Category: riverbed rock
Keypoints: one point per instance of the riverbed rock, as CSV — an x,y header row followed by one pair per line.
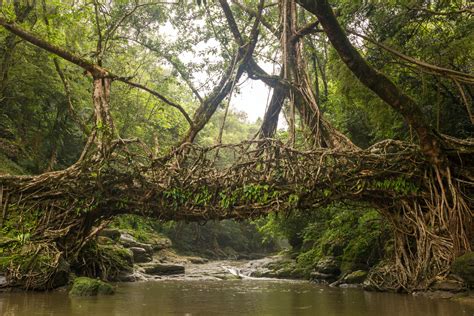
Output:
x,y
83,286
435,294
140,255
264,273
163,269
281,267
129,241
463,266
350,286
125,277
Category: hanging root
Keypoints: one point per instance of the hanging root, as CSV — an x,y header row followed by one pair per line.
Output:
x,y
429,233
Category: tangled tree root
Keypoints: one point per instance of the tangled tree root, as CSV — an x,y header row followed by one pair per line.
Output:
x,y
106,262
430,209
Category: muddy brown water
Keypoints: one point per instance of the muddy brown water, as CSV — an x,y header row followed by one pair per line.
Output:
x,y
231,297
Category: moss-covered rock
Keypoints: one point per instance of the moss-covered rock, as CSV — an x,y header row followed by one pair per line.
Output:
x,y
102,240
463,266
121,257
83,286
159,242
332,247
128,241
140,255
324,278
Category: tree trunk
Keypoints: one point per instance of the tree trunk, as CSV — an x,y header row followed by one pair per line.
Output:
x,y
375,80
104,123
270,119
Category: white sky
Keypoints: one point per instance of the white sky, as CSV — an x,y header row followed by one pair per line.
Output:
x,y
253,95
252,99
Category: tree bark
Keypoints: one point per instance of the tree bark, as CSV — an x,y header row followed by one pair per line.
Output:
x,y
104,123
270,119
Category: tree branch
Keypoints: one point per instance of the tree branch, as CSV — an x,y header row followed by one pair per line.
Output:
x,y
95,70
449,73
158,95
305,30
254,14
176,63
92,68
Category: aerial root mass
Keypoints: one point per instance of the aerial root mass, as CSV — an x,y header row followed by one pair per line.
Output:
x,y
430,209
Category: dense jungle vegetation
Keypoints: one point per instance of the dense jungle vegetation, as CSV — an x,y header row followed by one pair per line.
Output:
x,y
339,74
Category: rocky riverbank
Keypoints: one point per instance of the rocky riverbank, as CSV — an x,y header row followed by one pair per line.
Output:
x,y
145,260
456,285
155,259
152,257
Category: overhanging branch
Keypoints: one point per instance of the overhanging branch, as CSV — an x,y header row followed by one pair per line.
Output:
x,y
95,70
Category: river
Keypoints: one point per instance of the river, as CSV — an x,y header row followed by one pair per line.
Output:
x,y
231,297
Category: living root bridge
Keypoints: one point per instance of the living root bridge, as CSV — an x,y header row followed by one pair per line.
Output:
x,y
431,216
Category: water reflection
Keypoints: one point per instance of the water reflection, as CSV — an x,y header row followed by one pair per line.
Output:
x,y
228,298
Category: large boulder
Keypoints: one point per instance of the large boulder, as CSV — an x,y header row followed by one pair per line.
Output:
x,y
83,286
264,273
326,271
333,248
463,266
125,277
197,260
140,255
122,257
128,241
